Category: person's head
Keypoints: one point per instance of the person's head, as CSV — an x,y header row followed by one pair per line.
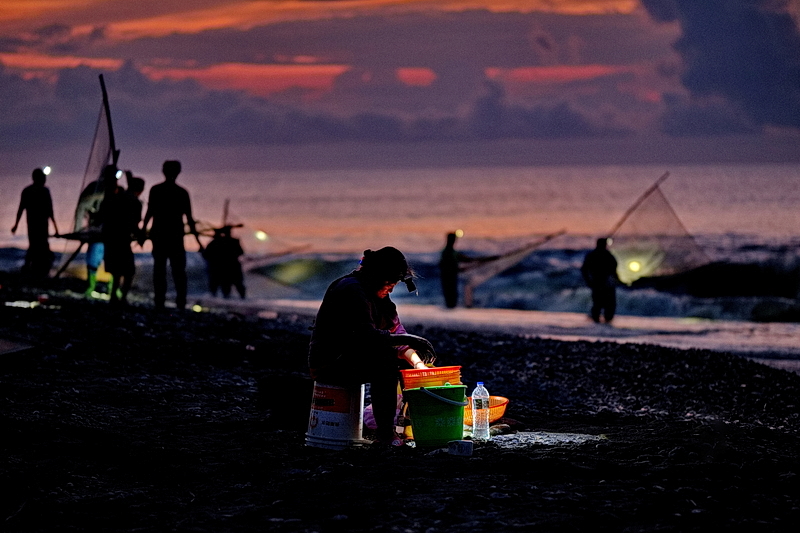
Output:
x,y
171,169
383,269
602,242
135,185
38,176
451,239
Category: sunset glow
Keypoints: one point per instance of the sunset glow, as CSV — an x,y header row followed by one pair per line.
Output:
x,y
34,61
28,9
419,77
179,17
387,71
556,74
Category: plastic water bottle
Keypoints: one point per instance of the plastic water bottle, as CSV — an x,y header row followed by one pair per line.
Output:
x,y
480,413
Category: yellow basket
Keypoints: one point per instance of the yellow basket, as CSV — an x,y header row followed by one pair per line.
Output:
x,y
497,408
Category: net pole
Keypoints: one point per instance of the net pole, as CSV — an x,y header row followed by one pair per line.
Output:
x,y
638,202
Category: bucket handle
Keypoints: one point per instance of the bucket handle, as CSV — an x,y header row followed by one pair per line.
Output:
x,y
445,400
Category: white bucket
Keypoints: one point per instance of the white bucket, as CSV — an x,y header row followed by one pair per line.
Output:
x,y
337,417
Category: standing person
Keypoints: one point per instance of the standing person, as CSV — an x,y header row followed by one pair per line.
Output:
x,y
38,206
352,341
599,270
451,263
167,206
224,269
449,267
119,215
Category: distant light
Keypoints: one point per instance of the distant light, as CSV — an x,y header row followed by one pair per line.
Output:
x,y
23,304
262,236
609,241
47,171
634,266
459,233
119,174
197,308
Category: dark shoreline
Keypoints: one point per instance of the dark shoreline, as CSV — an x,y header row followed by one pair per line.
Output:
x,y
135,420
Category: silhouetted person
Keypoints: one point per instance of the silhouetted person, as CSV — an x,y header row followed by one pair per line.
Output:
x,y
37,204
224,269
450,265
168,206
448,271
119,216
599,270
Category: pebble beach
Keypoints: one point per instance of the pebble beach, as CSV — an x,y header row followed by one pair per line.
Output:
x,y
128,419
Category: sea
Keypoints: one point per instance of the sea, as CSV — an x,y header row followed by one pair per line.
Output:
x,y
302,228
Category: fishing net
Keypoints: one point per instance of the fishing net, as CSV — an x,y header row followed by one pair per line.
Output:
x,y
482,270
91,186
650,240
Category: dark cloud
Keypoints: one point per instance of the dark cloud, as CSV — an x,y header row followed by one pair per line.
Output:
x,y
687,118
36,113
747,51
492,118
147,113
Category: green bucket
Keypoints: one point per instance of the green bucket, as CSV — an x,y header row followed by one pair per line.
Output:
x,y
436,413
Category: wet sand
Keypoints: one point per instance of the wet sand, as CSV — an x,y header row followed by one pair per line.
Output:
x,y
128,419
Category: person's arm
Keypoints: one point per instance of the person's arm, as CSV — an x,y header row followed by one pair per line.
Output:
x,y
51,214
413,359
147,216
406,352
19,212
55,226
190,221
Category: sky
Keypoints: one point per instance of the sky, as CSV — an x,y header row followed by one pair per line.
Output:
x,y
261,81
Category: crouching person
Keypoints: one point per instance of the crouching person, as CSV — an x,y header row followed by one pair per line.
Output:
x,y
356,332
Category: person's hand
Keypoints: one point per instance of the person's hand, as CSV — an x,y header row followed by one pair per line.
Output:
x,y
14,229
421,366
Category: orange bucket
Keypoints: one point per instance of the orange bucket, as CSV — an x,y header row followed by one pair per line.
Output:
x,y
431,377
497,408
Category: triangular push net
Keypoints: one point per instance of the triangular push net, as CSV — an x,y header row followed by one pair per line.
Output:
x,y
476,273
650,240
99,156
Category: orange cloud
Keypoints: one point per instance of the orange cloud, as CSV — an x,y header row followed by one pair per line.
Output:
x,y
39,62
127,20
258,80
29,9
416,77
